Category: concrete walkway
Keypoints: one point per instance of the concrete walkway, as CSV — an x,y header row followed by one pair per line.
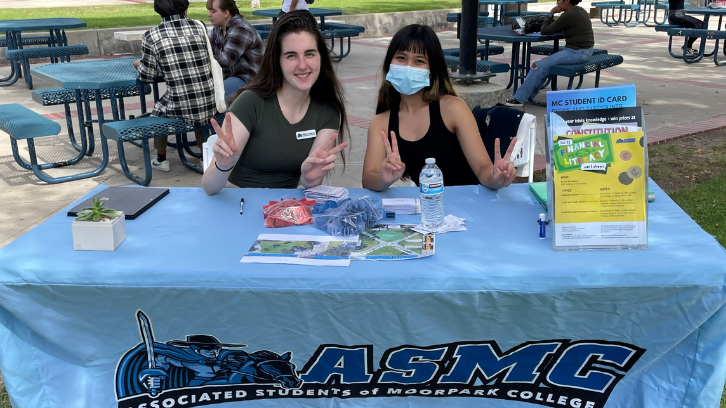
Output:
x,y
678,99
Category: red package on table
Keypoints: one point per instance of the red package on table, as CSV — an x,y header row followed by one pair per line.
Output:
x,y
287,212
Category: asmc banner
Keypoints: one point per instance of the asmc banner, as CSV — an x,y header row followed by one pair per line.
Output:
x,y
201,370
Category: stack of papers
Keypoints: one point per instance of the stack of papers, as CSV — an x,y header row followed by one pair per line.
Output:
x,y
323,193
451,223
402,205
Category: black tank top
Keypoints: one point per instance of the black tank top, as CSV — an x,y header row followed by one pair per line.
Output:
x,y
439,143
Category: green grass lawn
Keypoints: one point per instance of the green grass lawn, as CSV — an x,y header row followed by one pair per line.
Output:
x,y
134,15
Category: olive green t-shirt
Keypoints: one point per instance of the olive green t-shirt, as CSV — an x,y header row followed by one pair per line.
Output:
x,y
575,26
276,149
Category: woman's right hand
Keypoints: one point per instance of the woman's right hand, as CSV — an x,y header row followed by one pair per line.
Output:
x,y
225,147
392,167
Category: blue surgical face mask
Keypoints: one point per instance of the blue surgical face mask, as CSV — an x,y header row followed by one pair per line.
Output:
x,y
408,80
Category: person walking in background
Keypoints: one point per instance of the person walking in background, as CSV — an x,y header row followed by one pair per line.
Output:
x,y
677,15
177,48
236,44
575,26
290,5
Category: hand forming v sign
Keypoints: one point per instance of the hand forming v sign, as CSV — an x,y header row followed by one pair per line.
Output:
x,y
225,146
392,167
322,159
504,170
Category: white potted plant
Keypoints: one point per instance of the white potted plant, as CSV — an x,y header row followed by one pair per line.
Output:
x,y
98,229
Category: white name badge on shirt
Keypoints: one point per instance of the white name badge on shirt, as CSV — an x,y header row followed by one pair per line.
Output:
x,y
305,134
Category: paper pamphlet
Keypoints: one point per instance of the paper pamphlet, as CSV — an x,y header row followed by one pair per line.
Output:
x,y
402,205
539,191
382,242
599,191
615,120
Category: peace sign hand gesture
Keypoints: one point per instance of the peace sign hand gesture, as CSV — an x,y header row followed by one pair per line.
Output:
x,y
504,170
392,168
225,147
321,160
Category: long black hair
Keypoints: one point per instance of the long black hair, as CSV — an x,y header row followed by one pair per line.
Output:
x,y
326,88
419,39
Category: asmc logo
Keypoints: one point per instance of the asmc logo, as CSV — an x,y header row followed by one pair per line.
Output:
x,y
201,371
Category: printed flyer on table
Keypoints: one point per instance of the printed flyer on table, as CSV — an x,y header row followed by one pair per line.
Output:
x,y
599,188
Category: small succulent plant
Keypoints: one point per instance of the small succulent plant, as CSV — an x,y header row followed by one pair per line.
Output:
x,y
97,212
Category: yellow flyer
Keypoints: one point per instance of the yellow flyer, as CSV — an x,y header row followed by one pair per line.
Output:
x,y
599,188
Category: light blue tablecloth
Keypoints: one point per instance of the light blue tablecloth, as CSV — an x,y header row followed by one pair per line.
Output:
x,y
612,328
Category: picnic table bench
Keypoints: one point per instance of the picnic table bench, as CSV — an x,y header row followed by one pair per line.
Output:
x,y
23,56
65,97
331,32
22,123
142,129
704,35
596,63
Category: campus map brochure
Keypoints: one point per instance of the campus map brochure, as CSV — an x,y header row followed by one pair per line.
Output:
x,y
382,242
599,191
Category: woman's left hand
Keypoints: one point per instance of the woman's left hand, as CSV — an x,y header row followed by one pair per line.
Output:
x,y
504,171
321,160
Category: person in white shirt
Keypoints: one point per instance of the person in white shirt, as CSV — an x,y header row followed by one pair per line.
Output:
x,y
288,5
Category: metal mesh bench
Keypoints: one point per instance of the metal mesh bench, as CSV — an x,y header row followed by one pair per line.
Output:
x,y
332,32
22,123
481,51
23,57
481,66
515,13
663,28
625,13
596,63
703,35
142,129
550,49
65,97
37,40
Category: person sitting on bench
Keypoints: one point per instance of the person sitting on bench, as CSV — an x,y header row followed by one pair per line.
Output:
x,y
575,26
178,49
677,16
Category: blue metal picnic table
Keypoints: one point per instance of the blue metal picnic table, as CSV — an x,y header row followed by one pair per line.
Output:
x,y
13,34
94,76
707,12
316,12
499,8
520,54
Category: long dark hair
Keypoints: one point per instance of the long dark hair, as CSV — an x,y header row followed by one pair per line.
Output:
x,y
419,39
225,5
326,88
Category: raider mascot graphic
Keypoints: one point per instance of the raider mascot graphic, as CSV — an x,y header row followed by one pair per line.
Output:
x,y
200,360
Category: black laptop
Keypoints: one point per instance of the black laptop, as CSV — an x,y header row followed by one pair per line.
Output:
x,y
133,201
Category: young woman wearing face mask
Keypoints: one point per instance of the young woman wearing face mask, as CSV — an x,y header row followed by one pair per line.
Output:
x,y
419,116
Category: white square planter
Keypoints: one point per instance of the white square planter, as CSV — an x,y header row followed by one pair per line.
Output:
x,y
99,236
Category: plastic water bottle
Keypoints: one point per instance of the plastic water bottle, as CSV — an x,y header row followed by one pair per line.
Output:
x,y
431,182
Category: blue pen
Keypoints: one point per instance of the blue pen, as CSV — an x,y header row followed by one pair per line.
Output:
x,y
542,226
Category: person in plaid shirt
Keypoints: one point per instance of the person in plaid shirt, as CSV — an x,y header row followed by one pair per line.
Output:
x,y
177,48
235,43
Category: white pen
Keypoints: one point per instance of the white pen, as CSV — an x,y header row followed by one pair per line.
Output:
x,y
241,205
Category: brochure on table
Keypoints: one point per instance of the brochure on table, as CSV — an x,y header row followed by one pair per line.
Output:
x,y
597,171
383,242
